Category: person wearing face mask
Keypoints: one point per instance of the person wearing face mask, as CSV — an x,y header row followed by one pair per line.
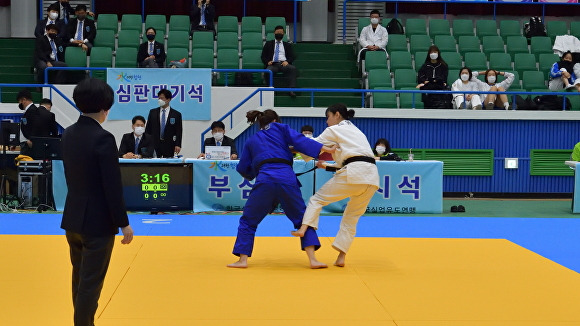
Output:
x,y
308,132
433,76
151,54
218,138
383,152
81,31
278,56
51,18
373,37
491,85
95,208
563,74
136,144
466,82
165,125
49,52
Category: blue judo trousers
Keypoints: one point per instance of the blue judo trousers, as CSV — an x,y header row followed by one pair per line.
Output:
x,y
275,182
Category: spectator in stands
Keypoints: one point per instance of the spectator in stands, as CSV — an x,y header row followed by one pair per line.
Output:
x,y
278,56
562,74
81,31
151,53
51,18
136,144
35,122
166,126
373,37
433,76
219,138
49,52
465,83
383,152
202,16
65,10
491,85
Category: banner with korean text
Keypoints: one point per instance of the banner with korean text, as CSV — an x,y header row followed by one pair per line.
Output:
x,y
136,91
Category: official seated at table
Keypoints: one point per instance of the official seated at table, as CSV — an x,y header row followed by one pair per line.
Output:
x,y
136,144
382,151
219,138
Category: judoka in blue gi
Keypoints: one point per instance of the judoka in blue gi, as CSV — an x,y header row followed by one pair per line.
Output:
x,y
267,158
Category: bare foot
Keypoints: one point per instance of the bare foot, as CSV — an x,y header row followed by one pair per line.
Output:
x,y
340,259
316,264
241,263
300,232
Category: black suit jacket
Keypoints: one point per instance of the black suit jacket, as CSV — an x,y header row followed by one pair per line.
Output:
x,y
158,51
195,16
38,122
68,9
268,52
94,204
226,141
173,131
41,28
43,50
145,148
89,30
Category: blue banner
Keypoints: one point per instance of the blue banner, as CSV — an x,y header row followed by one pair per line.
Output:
x,y
136,91
405,188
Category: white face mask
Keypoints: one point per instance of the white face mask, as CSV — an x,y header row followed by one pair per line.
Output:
x,y
139,131
374,21
491,79
464,77
308,135
53,15
434,55
160,102
380,149
218,136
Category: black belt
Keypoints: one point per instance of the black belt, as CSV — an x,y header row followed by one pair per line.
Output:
x,y
353,159
273,160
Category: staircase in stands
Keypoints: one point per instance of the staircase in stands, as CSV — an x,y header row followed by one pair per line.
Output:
x,y
16,67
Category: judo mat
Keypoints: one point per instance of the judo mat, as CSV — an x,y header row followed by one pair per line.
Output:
x,y
402,270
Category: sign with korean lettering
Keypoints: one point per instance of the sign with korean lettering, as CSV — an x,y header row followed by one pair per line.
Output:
x,y
136,91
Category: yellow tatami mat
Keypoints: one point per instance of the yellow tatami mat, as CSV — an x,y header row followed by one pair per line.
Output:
x,y
387,281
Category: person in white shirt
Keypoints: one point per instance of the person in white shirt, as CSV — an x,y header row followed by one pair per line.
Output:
x,y
356,178
491,85
373,37
465,83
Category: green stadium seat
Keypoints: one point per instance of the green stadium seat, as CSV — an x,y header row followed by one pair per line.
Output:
x,y
405,78
575,28
476,61
575,101
101,57
419,58
227,59
509,28
132,22
468,44
227,24
75,57
517,44
415,26
375,60
272,22
462,27
397,42
159,22
174,54
439,27
453,60
227,40
400,60
485,27
252,59
446,43
178,39
500,61
251,24
179,23
517,83
362,22
524,62
107,22
452,76
202,58
252,41
540,44
105,38
419,43
160,37
493,44
546,61
128,38
555,28
384,100
379,78
126,57
203,40
410,100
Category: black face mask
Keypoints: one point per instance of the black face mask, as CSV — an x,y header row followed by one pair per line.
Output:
x,y
21,106
81,18
52,35
279,37
150,37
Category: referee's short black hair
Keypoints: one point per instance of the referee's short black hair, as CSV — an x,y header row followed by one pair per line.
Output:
x,y
218,124
92,95
138,117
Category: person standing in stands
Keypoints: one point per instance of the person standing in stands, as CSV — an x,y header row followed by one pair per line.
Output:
x,y
49,52
164,123
136,144
65,10
202,15
219,138
94,209
51,18
278,56
81,31
373,37
151,54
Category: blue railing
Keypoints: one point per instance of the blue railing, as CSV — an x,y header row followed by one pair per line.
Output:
x,y
494,3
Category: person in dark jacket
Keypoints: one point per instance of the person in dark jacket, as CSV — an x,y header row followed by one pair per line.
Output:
x,y
51,18
136,144
165,125
433,76
49,52
278,56
151,53
81,31
202,15
219,138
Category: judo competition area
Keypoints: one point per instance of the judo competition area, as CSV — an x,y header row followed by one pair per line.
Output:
x,y
502,262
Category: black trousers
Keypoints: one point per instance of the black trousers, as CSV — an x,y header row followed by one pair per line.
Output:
x,y
90,256
289,72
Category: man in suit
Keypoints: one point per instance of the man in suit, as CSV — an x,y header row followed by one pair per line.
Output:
x,y
136,144
151,53
202,15
165,125
278,56
94,209
35,122
49,52
218,138
81,31
51,18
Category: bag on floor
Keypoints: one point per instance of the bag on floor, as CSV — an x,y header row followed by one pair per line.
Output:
x,y
395,27
535,27
551,102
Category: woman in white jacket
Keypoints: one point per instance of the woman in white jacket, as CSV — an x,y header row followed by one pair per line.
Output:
x,y
491,85
464,83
